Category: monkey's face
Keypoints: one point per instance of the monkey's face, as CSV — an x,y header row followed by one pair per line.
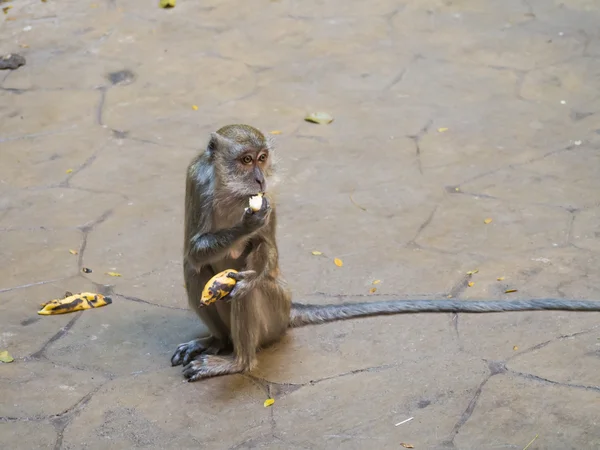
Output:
x,y
247,171
243,159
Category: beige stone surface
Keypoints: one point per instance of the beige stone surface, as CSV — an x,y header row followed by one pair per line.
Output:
x,y
446,113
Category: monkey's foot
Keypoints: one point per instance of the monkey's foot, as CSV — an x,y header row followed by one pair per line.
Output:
x,y
210,366
187,351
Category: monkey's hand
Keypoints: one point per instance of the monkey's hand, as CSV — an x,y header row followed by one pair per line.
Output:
x,y
253,221
244,282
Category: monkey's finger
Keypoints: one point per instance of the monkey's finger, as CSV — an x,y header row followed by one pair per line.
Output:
x,y
266,205
239,276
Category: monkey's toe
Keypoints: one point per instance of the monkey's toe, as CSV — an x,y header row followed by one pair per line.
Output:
x,y
187,351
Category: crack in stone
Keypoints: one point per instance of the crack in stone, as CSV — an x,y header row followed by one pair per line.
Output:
x,y
37,283
424,225
416,138
529,376
36,135
468,412
146,302
63,331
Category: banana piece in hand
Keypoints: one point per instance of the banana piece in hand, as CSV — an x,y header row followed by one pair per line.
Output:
x,y
218,287
72,303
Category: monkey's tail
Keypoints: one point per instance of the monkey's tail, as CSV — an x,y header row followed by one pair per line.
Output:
x,y
308,314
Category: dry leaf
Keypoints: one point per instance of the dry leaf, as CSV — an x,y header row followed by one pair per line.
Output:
x,y
321,118
515,348
403,444
167,3
195,107
356,204
471,272
500,278
338,262
487,221
268,402
316,253
73,252
23,45
471,283
275,132
376,281
113,274
69,170
372,290
441,130
508,291
6,8
5,357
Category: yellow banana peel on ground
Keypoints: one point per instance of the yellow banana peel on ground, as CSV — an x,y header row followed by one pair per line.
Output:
x,y
72,303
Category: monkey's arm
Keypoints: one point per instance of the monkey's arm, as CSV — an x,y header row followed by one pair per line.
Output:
x,y
205,248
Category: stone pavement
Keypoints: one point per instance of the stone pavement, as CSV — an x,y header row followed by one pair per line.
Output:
x,y
446,113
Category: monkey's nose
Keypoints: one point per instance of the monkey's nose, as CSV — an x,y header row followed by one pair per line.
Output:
x,y
260,183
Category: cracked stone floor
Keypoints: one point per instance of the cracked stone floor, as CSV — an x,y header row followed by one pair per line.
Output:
x,y
447,112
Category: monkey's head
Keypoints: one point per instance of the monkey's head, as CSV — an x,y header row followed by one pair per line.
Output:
x,y
243,159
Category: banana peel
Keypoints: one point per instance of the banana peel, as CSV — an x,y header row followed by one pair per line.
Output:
x,y
72,303
218,287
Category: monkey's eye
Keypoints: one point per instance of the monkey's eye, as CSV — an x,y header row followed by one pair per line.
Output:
x,y
247,159
263,157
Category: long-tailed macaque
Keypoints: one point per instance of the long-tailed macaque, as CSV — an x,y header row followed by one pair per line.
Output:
x,y
222,233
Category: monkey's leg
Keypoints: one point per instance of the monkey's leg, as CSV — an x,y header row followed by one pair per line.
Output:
x,y
218,341
207,366
247,325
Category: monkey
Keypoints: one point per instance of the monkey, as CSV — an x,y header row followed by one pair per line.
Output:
x,y
221,233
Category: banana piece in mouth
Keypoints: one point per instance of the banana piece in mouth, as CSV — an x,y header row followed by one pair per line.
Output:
x,y
255,202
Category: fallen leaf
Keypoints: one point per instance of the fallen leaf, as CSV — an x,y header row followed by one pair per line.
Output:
x,y
376,281
508,291
113,274
195,107
515,348
24,45
321,118
531,442
441,130
338,262
69,170
487,221
471,272
471,283
73,252
372,290
268,402
167,3
6,8
316,252
500,278
10,18
406,445
356,204
5,357
275,132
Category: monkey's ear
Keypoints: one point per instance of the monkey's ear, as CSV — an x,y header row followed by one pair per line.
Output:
x,y
216,142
